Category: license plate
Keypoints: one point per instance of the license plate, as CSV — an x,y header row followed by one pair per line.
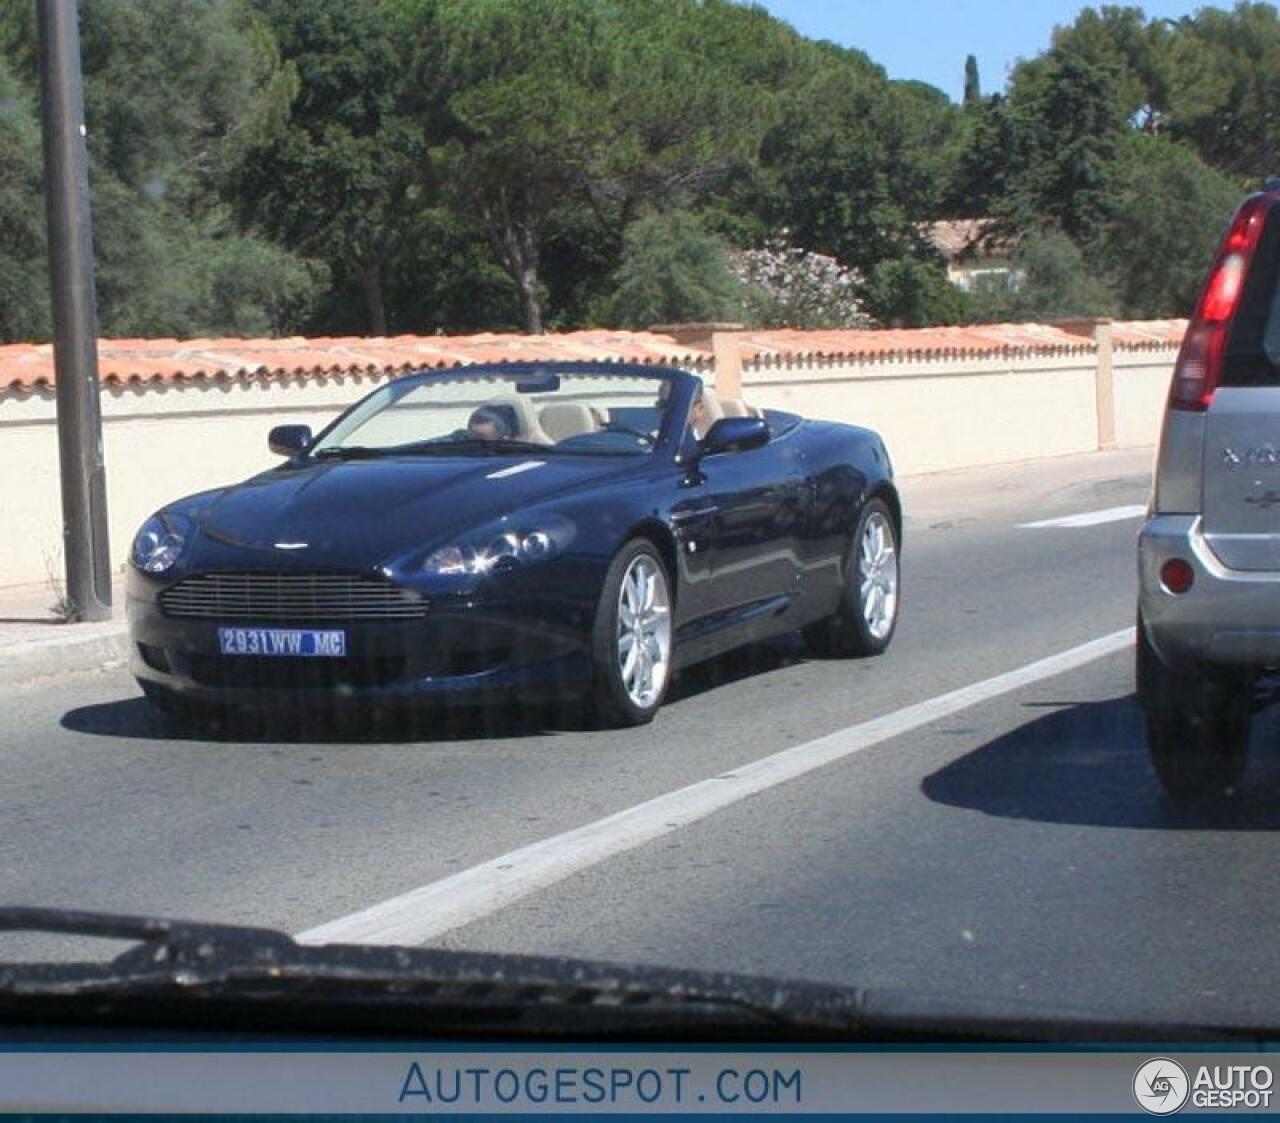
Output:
x,y
299,642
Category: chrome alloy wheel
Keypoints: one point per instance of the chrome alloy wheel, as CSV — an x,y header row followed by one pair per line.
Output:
x,y
878,573
644,631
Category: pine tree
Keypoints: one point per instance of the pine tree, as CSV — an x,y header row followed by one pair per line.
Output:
x,y
972,85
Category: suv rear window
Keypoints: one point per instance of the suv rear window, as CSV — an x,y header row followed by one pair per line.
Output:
x,y
1253,348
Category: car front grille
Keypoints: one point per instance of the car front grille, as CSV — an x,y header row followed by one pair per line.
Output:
x,y
290,597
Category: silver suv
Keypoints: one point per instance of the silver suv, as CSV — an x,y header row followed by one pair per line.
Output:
x,y
1209,553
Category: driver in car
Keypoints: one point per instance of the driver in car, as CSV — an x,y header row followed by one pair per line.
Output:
x,y
492,423
699,422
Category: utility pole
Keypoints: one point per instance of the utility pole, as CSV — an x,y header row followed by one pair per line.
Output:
x,y
75,318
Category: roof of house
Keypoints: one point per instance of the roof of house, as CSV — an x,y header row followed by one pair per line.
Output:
x,y
26,367
958,239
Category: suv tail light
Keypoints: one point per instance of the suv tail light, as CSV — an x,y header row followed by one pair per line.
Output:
x,y
1199,368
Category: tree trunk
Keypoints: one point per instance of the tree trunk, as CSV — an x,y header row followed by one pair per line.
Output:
x,y
530,305
370,278
513,237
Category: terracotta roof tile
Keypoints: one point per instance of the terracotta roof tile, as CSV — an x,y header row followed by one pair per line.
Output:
x,y
1149,333
142,362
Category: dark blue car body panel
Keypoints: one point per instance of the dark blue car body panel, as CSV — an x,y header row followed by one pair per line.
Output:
x,y
756,543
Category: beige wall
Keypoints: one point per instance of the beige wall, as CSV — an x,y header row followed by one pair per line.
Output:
x,y
1141,389
157,445
935,415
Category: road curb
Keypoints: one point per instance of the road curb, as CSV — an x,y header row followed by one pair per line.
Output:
x,y
65,654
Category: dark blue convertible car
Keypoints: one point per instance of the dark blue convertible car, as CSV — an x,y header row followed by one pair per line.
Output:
x,y
530,530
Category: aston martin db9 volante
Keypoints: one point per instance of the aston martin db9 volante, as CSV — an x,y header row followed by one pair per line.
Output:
x,y
522,530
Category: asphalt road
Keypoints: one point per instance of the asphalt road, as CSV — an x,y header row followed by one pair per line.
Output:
x,y
1016,848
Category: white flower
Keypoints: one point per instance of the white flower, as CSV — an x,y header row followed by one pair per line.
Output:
x,y
785,286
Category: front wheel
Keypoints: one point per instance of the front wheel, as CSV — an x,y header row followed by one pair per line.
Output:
x,y
632,641
867,615
1197,725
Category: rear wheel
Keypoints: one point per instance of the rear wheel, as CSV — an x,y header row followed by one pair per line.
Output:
x,y
632,641
1198,724
867,616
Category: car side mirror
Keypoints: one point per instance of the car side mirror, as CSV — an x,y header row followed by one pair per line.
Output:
x,y
735,434
289,440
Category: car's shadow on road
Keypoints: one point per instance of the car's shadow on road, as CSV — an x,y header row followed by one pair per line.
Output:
x,y
748,662
1086,765
134,718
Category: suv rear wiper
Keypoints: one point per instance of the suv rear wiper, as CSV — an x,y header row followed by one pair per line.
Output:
x,y
184,973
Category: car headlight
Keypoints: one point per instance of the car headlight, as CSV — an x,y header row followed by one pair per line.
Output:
x,y
158,545
501,549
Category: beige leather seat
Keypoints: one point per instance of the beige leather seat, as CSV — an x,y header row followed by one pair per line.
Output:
x,y
528,427
713,407
562,420
736,407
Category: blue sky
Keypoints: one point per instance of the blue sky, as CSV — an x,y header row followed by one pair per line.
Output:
x,y
928,39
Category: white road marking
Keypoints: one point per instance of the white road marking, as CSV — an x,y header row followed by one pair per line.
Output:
x,y
451,902
1089,518
515,469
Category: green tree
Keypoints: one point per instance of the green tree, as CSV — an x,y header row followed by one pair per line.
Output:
x,y
911,291
1225,87
170,86
442,278
517,96
854,167
1167,216
1051,280
543,113
673,270
981,170
24,296
693,88
972,83
333,175
1137,52
1068,123
828,164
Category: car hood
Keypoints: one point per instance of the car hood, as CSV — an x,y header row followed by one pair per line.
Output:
x,y
366,512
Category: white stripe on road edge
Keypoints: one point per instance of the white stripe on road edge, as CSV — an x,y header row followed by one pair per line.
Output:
x,y
1089,518
451,902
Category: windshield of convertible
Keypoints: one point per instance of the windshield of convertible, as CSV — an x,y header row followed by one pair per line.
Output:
x,y
608,413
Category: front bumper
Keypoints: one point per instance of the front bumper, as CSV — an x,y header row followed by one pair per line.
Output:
x,y
1229,617
460,651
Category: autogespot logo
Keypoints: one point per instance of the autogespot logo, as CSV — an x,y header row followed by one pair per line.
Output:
x,y
1161,1086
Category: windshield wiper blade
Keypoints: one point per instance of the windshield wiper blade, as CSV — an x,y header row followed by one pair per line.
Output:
x,y
261,978
180,965
470,445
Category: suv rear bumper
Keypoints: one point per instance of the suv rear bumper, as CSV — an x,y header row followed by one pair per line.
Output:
x,y
1228,616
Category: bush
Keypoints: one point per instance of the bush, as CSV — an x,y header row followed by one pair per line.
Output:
x,y
909,292
1051,281
673,270
783,286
